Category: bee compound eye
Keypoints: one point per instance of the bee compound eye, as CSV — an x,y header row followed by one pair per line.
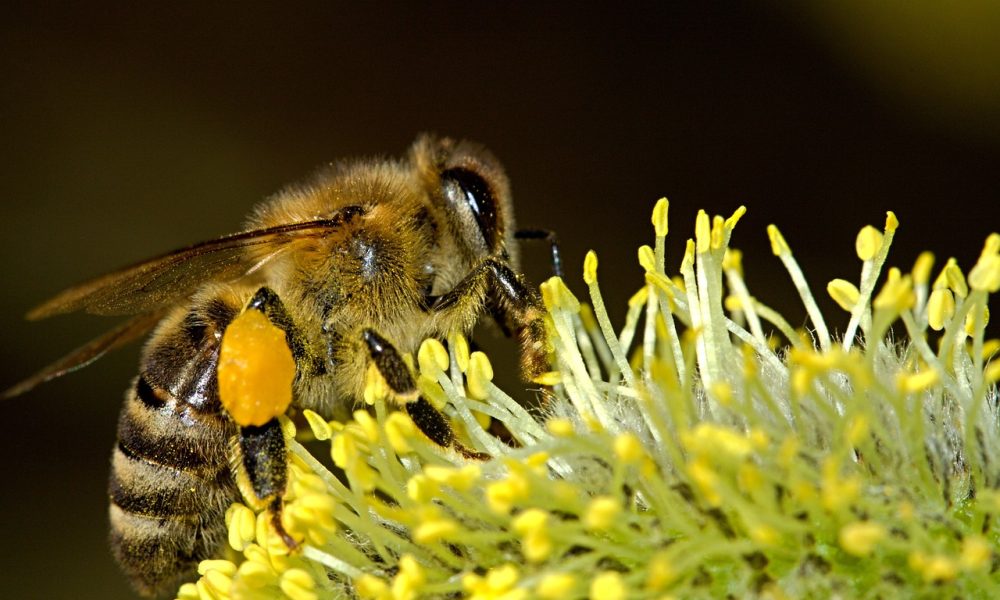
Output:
x,y
463,187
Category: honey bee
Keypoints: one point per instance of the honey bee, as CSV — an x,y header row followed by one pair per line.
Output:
x,y
355,267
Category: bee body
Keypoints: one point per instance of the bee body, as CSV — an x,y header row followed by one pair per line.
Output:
x,y
356,267
171,481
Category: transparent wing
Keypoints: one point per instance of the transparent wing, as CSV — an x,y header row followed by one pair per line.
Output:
x,y
161,281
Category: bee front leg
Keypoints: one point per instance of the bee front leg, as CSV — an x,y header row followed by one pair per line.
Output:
x,y
261,467
515,306
397,375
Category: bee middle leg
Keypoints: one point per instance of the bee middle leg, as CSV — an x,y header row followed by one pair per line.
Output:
x,y
397,375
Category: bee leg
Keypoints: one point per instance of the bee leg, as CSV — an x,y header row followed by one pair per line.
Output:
x,y
262,470
515,306
397,375
267,301
545,235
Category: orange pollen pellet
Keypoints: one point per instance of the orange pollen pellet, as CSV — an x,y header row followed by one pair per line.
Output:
x,y
255,370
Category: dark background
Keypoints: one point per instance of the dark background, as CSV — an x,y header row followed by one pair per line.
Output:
x,y
127,133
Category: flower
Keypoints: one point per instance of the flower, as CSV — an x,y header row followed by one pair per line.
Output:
x,y
689,452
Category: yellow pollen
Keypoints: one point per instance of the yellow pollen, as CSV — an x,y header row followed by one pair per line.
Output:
x,y
765,535
933,568
647,259
460,346
661,572
371,587
955,278
555,586
555,294
718,232
608,586
918,382
502,495
639,298
421,488
844,293
970,319
533,519
320,427
432,357
399,428
376,387
992,371
732,260
548,378
861,537
891,222
628,448
480,373
735,217
601,513
241,525
985,275
435,530
897,293
857,429
702,232
940,308
461,479
722,392
560,427
590,268
778,244
992,244
660,217
297,584
976,553
367,425
922,268
868,242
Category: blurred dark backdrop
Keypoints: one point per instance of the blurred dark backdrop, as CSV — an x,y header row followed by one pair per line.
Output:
x,y
129,132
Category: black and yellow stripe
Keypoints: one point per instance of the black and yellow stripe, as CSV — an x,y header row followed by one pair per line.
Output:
x,y
170,481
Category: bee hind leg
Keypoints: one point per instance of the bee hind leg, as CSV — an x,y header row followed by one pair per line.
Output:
x,y
261,466
397,375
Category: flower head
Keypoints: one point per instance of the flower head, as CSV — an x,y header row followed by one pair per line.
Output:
x,y
704,448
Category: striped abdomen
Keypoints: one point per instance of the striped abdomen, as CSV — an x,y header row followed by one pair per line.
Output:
x,y
170,481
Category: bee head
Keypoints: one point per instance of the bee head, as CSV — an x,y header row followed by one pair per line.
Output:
x,y
470,188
